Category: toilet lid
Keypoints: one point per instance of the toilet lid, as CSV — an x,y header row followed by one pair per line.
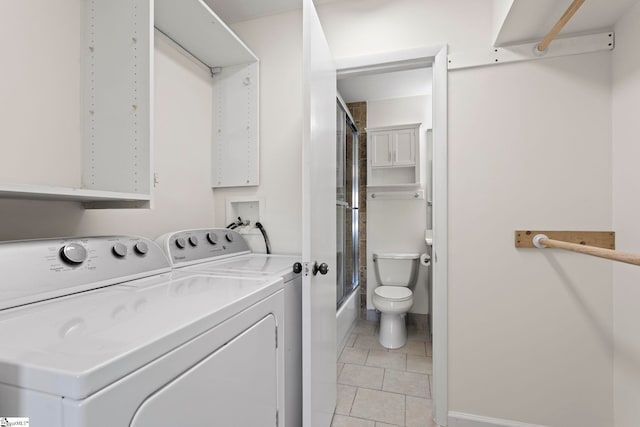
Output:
x,y
396,293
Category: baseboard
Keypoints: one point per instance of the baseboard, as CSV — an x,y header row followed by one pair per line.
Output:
x,y
458,419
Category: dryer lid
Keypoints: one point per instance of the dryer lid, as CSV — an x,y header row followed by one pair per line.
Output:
x,y
251,265
396,293
77,345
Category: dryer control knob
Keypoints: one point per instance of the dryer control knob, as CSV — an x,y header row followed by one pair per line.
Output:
x,y
141,248
212,238
193,241
73,253
229,237
180,243
119,250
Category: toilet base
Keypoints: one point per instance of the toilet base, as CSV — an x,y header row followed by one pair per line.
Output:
x,y
393,331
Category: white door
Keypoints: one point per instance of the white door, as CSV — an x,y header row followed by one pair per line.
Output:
x,y
318,225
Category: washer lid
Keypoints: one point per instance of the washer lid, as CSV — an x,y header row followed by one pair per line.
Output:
x,y
77,345
396,293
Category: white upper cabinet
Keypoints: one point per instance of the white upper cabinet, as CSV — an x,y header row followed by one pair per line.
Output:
x,y
196,28
393,153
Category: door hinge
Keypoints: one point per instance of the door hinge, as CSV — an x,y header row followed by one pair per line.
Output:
x,y
277,417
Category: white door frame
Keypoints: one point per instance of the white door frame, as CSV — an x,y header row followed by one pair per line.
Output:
x,y
436,56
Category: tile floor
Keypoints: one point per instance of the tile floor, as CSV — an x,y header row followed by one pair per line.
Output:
x,y
384,388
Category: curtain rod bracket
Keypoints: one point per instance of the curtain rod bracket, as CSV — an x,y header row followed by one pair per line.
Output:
x,y
536,240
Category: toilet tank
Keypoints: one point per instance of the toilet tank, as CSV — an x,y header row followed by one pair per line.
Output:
x,y
396,269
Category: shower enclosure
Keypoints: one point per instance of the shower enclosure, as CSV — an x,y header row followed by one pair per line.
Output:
x,y
346,205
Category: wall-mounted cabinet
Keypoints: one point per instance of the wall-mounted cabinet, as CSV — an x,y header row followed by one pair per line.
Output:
x,y
393,156
117,101
235,70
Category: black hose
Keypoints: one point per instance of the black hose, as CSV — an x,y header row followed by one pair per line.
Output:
x,y
235,224
264,235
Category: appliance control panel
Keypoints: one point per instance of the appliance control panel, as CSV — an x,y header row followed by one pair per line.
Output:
x,y
35,270
200,245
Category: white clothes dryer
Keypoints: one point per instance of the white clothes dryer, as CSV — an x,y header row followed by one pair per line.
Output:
x,y
225,252
99,332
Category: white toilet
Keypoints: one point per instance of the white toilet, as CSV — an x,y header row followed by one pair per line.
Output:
x,y
396,275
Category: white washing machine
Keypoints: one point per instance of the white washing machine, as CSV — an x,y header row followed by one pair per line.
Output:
x,y
225,252
98,332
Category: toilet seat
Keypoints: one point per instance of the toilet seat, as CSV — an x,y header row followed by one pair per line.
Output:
x,y
394,293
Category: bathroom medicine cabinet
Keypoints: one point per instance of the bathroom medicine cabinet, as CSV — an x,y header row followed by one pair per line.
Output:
x,y
118,57
393,156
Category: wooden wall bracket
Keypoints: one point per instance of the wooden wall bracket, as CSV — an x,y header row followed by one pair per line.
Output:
x,y
599,239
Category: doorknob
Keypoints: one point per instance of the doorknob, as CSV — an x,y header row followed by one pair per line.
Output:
x,y
297,267
322,268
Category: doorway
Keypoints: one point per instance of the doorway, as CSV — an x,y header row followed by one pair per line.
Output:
x,y
433,157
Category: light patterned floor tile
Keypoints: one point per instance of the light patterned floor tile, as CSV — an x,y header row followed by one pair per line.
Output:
x,y
414,334
365,327
342,421
369,342
420,364
356,356
409,383
361,376
339,367
379,406
351,340
412,347
346,393
385,359
419,412
385,425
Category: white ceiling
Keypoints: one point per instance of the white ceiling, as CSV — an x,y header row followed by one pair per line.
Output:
x,y
531,20
397,84
232,11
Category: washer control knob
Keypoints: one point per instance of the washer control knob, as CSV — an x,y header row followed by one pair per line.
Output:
x,y
229,237
141,248
119,250
212,238
180,243
193,241
73,253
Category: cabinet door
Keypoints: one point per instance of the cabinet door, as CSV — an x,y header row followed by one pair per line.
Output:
x,y
381,143
404,147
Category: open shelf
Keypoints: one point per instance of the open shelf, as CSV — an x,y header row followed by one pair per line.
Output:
x,y
94,198
199,31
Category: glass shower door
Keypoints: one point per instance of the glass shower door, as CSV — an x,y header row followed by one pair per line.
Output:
x,y
346,205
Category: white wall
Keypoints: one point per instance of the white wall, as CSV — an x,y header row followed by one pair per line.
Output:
x,y
398,225
530,331
277,41
40,92
42,136
626,211
530,147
